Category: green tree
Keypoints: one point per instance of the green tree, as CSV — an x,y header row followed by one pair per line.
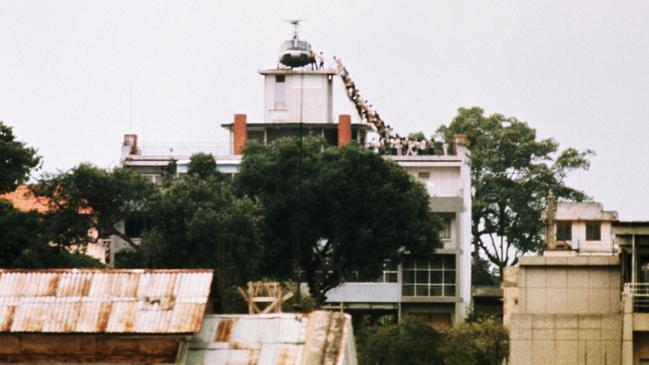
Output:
x,y
483,342
512,173
203,165
87,197
200,223
348,208
16,160
26,242
417,136
411,342
482,273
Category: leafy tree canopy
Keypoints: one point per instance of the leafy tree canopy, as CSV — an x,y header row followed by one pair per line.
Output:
x,y
481,342
512,173
349,209
482,273
410,342
203,165
26,242
200,223
16,160
88,197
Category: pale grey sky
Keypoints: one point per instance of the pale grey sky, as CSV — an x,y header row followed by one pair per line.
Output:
x,y
577,71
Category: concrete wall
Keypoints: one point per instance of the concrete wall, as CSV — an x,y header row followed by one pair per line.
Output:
x,y
510,294
570,290
604,244
308,96
442,181
557,339
568,311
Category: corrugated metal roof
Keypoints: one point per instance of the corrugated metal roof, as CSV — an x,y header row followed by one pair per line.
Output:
x,y
365,293
319,337
103,301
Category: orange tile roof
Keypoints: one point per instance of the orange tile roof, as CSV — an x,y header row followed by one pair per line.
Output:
x,y
24,200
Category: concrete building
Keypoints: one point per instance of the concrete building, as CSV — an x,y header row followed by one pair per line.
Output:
x,y
586,299
632,240
301,101
437,290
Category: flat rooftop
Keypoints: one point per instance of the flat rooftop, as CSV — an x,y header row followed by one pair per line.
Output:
x,y
289,71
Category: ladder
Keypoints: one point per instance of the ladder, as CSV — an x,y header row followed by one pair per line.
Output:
x,y
364,110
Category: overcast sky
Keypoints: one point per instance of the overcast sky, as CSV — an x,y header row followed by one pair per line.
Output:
x,y
577,71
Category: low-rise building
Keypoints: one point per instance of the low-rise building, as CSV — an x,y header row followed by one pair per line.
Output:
x,y
585,300
100,316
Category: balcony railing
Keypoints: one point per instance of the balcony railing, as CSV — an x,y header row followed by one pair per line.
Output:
x,y
185,149
405,147
639,292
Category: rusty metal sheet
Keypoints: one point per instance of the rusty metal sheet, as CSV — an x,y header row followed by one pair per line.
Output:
x,y
103,301
275,339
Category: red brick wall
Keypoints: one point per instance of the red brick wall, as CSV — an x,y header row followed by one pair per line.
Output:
x,y
344,129
240,133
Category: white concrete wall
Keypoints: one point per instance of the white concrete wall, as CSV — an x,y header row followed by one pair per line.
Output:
x,y
308,95
464,239
604,244
568,312
443,181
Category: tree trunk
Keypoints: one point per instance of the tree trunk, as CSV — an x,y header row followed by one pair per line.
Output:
x,y
501,271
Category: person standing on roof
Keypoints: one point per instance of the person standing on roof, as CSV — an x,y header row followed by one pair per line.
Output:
x,y
321,61
339,64
312,60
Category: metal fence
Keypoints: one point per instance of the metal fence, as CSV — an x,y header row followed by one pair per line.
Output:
x,y
188,149
640,294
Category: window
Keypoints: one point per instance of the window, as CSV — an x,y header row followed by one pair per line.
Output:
x,y
134,227
445,232
331,136
154,178
429,278
389,271
256,135
593,231
423,175
280,92
564,231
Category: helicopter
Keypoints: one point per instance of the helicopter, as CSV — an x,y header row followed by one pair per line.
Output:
x,y
295,52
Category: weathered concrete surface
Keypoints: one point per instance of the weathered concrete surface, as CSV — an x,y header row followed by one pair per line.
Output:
x,y
568,311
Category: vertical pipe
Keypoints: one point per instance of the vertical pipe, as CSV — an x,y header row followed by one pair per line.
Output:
x,y
634,263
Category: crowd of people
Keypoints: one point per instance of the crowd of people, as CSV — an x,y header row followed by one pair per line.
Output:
x,y
407,146
389,142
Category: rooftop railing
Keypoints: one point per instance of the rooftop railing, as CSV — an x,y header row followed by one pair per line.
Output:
x,y
393,149
185,148
406,147
639,292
